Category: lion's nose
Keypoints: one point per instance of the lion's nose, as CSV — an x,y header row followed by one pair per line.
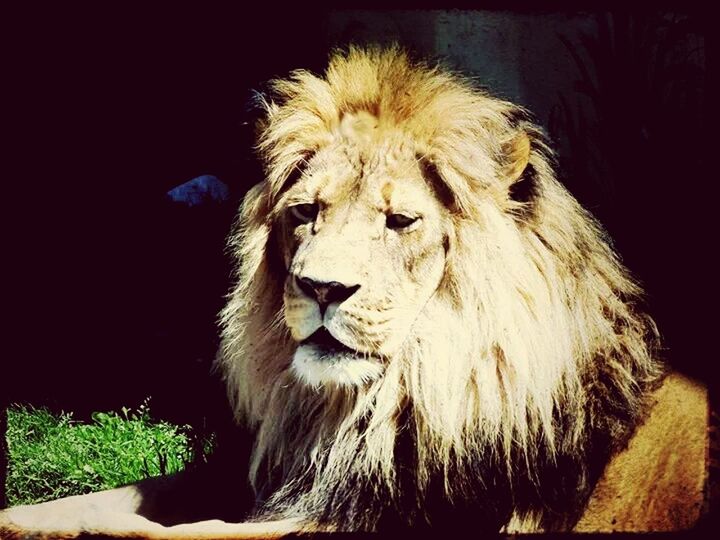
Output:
x,y
326,292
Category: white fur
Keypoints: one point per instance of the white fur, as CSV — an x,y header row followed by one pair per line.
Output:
x,y
314,368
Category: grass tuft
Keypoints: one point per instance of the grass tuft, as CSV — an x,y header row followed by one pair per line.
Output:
x,y
52,455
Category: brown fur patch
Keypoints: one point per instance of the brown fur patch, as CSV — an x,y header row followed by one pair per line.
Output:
x,y
657,483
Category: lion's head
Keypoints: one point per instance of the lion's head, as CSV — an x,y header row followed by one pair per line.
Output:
x,y
422,312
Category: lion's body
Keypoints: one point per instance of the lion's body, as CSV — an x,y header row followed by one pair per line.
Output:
x,y
427,330
659,482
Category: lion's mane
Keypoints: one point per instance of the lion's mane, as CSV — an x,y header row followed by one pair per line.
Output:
x,y
524,373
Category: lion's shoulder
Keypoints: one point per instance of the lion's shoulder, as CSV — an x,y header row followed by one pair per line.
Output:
x,y
658,482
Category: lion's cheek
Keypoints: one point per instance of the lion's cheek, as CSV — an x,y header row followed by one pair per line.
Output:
x,y
412,290
423,274
302,316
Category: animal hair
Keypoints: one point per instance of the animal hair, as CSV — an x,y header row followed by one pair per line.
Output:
x,y
525,371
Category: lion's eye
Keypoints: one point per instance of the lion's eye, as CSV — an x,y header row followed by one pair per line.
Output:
x,y
304,213
400,221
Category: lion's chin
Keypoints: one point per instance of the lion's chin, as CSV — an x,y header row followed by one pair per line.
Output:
x,y
317,363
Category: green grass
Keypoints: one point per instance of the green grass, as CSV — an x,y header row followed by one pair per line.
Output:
x,y
52,455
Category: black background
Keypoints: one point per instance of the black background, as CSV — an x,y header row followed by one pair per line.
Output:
x,y
111,107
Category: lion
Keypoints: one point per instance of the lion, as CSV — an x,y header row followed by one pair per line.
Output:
x,y
427,330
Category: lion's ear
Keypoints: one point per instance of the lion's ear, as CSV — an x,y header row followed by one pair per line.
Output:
x,y
516,157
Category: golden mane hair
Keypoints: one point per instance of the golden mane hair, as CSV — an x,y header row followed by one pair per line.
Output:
x,y
527,369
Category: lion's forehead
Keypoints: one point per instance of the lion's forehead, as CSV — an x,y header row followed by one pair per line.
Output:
x,y
378,176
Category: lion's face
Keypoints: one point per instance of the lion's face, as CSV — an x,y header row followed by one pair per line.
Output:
x,y
363,239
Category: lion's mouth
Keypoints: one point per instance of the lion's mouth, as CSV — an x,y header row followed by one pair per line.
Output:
x,y
323,359
324,341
